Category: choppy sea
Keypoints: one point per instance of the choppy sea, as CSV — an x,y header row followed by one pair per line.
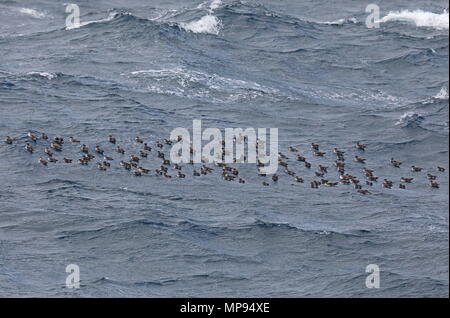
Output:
x,y
312,69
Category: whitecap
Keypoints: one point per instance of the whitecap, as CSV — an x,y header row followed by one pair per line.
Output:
x,y
110,17
409,118
341,21
213,5
420,18
443,94
182,81
47,75
32,12
208,24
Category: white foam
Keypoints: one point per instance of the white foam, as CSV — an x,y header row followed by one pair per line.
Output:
x,y
215,4
408,118
182,80
110,17
47,75
341,21
420,18
443,93
208,24
32,12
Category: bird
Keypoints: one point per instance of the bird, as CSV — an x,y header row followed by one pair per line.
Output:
x,y
56,146
147,147
434,184
299,179
289,172
319,153
112,139
143,154
99,149
32,136
323,168
42,161
29,148
301,158
360,146
8,140
395,163
48,151
134,158
359,159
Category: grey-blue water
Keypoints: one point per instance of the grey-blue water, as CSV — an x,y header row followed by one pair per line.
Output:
x,y
313,69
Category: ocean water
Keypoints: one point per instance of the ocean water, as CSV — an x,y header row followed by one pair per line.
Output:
x,y
312,69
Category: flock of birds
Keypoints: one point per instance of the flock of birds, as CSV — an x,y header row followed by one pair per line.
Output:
x,y
228,172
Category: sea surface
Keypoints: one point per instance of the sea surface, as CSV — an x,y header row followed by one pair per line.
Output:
x,y
312,69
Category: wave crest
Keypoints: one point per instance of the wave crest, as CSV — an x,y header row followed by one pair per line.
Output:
x,y
420,18
443,94
409,119
208,24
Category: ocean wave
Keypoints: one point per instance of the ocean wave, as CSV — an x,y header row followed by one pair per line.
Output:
x,y
181,81
46,75
414,57
32,12
342,21
208,24
443,94
111,16
409,119
420,18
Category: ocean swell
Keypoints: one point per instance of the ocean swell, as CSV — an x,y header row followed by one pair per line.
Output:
x,y
420,18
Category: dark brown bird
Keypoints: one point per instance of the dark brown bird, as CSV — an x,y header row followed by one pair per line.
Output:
x,y
99,149
8,140
29,148
120,150
360,146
